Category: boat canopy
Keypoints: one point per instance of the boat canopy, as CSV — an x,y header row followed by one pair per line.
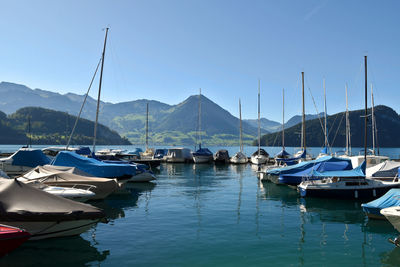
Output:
x,y
282,154
202,152
262,152
324,150
388,168
292,161
93,166
22,202
327,163
28,157
390,199
354,173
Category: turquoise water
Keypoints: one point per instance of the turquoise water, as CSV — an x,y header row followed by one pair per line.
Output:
x,y
206,215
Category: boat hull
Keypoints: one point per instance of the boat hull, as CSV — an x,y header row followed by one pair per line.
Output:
x,y
11,238
43,230
202,158
342,193
393,216
258,160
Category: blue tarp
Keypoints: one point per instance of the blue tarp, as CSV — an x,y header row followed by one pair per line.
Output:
x,y
83,150
309,164
29,157
93,166
203,152
282,154
136,152
291,161
356,172
324,150
317,167
390,199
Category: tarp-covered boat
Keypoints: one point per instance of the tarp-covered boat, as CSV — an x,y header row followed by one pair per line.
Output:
x,y
42,214
23,160
390,199
50,175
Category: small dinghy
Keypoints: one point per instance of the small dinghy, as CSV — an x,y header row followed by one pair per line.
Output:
x,y
11,238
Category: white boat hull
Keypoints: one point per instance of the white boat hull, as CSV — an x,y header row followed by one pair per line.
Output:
x,y
202,159
393,216
43,230
258,159
239,158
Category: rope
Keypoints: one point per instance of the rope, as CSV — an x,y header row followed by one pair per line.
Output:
x,y
337,130
83,104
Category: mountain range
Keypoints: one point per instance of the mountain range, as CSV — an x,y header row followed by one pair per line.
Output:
x,y
387,122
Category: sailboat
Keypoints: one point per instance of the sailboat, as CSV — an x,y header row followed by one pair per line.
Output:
x,y
202,155
350,184
302,155
283,154
149,152
324,152
260,156
239,157
371,159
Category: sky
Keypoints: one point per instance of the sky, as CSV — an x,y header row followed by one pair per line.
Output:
x,y
166,50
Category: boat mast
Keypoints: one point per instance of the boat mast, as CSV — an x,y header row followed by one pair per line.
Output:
x,y
373,121
326,132
259,131
147,126
283,119
98,96
240,126
348,140
303,122
199,133
365,112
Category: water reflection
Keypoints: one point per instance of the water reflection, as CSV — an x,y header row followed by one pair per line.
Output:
x,y
391,258
115,205
287,195
67,251
238,168
342,211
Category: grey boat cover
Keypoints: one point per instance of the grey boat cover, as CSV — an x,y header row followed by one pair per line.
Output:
x,y
388,168
24,203
65,176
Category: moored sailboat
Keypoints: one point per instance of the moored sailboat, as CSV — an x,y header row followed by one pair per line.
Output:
x,y
239,157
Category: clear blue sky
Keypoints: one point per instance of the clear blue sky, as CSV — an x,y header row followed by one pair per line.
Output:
x,y
166,49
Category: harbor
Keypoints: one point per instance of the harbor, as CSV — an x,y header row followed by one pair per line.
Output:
x,y
225,213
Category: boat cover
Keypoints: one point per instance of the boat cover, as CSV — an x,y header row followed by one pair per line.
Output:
x,y
292,161
93,166
327,163
356,172
222,154
262,152
136,152
28,157
388,168
390,199
202,152
22,202
282,154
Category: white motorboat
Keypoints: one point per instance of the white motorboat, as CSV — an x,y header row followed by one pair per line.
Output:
x,y
178,155
44,215
393,216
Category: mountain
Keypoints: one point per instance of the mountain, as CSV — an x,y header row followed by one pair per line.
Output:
x,y
267,125
387,121
52,127
298,118
169,124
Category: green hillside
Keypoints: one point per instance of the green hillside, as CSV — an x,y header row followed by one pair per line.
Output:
x,y
52,127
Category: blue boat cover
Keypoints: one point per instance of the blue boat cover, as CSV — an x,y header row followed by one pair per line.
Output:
x,y
29,157
282,154
203,152
83,150
291,161
329,164
324,150
390,199
356,172
93,166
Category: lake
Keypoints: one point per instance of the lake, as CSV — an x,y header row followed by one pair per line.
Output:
x,y
218,215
